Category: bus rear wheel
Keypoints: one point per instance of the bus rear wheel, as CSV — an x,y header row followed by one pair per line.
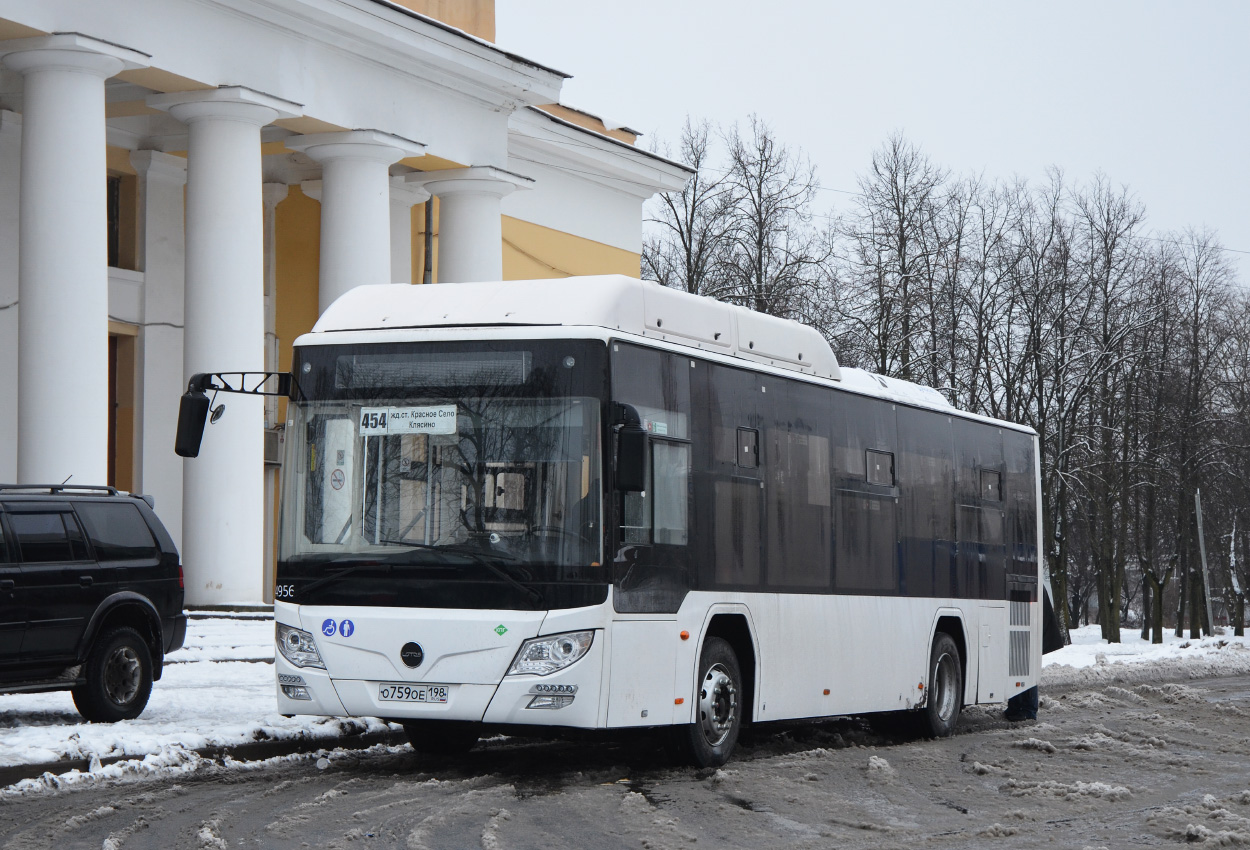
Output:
x,y
710,740
441,737
946,686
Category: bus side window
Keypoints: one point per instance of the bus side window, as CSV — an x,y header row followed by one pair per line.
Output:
x,y
748,448
636,521
670,476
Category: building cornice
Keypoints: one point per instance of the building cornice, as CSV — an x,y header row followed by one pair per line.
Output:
x,y
406,41
538,137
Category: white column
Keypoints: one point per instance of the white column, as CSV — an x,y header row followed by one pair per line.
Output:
x,y
470,227
223,511
272,194
161,254
403,198
62,395
355,205
10,185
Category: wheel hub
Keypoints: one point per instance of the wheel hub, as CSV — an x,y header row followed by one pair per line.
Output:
x,y
122,673
718,704
945,688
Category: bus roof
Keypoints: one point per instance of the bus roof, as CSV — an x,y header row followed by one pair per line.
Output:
x,y
618,303
615,302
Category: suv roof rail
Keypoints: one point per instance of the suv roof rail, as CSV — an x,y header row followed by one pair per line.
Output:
x,y
61,488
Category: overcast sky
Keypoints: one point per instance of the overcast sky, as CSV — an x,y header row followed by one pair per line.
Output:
x,y
1155,94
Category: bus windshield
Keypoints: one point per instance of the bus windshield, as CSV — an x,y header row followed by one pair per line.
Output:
x,y
444,475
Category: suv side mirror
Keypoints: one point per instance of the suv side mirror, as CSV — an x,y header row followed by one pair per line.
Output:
x,y
631,451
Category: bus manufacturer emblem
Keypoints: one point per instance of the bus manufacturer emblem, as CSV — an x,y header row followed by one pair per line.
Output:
x,y
411,654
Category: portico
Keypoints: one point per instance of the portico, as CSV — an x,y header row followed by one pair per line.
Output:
x,y
200,111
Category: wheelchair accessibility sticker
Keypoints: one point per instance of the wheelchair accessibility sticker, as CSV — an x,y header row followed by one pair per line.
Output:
x,y
328,628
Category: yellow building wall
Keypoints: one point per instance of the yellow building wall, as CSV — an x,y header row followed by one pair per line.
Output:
x,y
297,260
418,242
531,251
476,17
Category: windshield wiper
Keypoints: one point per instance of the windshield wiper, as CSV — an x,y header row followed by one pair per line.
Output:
x,y
484,559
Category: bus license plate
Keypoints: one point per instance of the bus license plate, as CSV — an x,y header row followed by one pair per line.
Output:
x,y
395,692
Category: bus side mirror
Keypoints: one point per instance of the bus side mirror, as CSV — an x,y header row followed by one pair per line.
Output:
x,y
631,451
192,416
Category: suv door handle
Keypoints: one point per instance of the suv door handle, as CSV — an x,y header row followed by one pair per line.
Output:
x,y
86,581
7,585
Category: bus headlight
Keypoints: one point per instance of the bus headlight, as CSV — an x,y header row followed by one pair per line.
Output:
x,y
542,656
298,647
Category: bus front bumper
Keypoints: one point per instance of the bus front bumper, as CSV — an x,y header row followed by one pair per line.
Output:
x,y
569,697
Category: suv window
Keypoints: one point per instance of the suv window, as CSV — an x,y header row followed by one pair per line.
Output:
x,y
44,537
117,531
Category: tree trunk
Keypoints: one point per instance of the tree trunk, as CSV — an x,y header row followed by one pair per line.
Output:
x,y
1156,618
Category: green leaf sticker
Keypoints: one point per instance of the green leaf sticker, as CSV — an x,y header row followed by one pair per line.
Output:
x,y
501,629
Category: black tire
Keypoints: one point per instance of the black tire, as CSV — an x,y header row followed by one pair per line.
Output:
x,y
945,694
710,740
118,674
442,737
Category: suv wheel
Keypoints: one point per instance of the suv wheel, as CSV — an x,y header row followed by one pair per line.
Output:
x,y
118,675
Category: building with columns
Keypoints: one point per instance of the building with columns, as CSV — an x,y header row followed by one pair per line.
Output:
x,y
185,185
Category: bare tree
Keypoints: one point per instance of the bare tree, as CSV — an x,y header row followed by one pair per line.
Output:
x,y
776,263
693,225
895,296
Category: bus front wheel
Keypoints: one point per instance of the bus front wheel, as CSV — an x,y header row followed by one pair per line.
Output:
x,y
946,686
710,740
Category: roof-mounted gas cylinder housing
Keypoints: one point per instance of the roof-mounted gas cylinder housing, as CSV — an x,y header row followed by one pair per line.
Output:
x,y
615,302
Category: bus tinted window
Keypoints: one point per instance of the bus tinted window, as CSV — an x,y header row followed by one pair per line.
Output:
x,y
797,488
926,509
866,534
736,544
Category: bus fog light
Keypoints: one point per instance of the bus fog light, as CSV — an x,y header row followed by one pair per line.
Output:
x,y
296,692
542,656
298,647
554,701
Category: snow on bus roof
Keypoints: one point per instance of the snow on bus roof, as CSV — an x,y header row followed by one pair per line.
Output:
x,y
894,389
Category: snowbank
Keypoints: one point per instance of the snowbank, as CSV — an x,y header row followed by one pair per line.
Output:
x,y
1091,660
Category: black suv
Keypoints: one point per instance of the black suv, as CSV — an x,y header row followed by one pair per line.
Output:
x,y
90,596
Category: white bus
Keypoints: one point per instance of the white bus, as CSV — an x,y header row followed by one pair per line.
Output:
x,y
597,503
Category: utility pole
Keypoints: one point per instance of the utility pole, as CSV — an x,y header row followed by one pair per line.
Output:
x,y
1239,624
1202,552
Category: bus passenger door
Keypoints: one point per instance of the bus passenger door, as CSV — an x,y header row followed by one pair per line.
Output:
x,y
992,654
652,560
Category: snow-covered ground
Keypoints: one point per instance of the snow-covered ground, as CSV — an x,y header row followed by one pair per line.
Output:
x,y
218,691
